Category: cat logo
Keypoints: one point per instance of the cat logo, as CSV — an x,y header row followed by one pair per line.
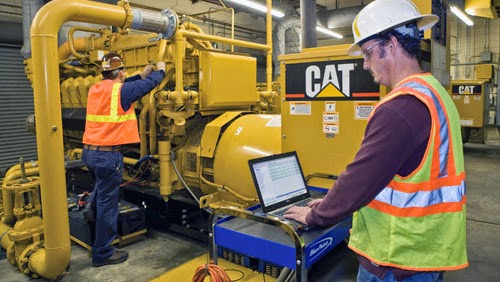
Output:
x,y
328,85
462,89
332,80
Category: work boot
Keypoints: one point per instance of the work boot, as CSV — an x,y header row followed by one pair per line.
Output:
x,y
117,257
88,212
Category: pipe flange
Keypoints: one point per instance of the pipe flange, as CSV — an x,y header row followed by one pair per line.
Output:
x,y
130,15
173,23
23,260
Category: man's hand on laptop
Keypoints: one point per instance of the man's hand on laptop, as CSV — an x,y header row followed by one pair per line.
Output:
x,y
298,213
314,203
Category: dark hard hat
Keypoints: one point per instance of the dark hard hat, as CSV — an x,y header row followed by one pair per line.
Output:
x,y
111,61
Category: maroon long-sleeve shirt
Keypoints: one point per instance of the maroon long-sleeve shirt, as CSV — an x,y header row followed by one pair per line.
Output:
x,y
394,143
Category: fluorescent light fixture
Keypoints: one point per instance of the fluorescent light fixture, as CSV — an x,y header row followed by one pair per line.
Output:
x,y
259,7
461,15
328,32
279,14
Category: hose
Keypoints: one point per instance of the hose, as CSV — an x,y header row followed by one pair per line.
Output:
x,y
225,188
216,273
172,159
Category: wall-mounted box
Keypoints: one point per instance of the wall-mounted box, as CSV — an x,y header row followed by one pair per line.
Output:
x,y
484,71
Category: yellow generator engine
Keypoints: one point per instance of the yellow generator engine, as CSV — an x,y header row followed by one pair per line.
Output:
x,y
205,94
197,129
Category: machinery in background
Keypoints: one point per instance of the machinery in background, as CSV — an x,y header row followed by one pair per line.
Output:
x,y
197,129
327,98
477,104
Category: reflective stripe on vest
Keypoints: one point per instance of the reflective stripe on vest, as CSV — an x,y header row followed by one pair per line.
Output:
x,y
443,148
113,115
447,194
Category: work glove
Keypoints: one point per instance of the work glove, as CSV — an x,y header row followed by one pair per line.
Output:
x,y
160,66
147,71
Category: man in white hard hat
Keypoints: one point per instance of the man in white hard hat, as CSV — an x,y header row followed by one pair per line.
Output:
x,y
406,184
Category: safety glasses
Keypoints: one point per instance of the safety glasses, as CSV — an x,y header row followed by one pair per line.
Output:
x,y
367,52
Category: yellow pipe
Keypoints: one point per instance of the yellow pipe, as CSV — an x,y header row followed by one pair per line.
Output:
x,y
5,242
130,161
161,50
76,69
81,45
71,32
64,50
232,28
164,147
142,130
269,44
178,61
236,42
192,26
152,101
152,110
52,260
152,122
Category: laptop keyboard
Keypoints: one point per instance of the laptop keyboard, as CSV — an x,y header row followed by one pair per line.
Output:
x,y
281,212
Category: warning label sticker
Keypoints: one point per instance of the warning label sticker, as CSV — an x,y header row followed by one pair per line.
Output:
x,y
362,110
300,108
330,106
466,122
330,128
331,118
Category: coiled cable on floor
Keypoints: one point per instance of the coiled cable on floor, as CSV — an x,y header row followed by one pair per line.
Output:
x,y
214,271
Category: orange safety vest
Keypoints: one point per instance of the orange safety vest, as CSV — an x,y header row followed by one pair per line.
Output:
x,y
107,124
418,222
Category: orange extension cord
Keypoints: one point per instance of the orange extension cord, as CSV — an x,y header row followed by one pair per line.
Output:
x,y
214,271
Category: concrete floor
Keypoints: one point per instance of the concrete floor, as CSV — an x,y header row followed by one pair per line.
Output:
x,y
160,251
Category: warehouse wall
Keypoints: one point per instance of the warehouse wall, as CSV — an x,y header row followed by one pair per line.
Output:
x,y
467,44
16,103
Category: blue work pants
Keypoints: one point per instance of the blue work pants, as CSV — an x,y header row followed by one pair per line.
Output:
x,y
108,169
366,276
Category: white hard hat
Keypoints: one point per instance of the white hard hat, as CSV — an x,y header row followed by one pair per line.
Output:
x,y
381,15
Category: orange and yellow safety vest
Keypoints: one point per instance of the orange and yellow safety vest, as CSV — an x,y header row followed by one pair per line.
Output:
x,y
418,222
107,124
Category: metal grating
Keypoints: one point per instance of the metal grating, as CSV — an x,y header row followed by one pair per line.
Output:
x,y
16,103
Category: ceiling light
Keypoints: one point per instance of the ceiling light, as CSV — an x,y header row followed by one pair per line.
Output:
x,y
259,7
328,32
279,14
461,15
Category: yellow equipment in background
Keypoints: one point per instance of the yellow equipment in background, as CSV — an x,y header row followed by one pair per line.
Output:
x,y
471,101
197,129
477,106
327,98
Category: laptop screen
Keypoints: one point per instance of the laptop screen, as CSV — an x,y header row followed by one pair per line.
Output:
x,y
279,180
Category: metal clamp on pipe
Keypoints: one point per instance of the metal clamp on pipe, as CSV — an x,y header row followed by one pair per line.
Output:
x,y
166,22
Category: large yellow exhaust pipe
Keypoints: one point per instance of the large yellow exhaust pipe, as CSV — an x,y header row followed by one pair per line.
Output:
x,y
52,260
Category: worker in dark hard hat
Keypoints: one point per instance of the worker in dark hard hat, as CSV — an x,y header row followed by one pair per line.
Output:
x,y
406,185
111,122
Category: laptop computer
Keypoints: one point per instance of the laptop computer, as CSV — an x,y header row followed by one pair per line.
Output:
x,y
280,184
